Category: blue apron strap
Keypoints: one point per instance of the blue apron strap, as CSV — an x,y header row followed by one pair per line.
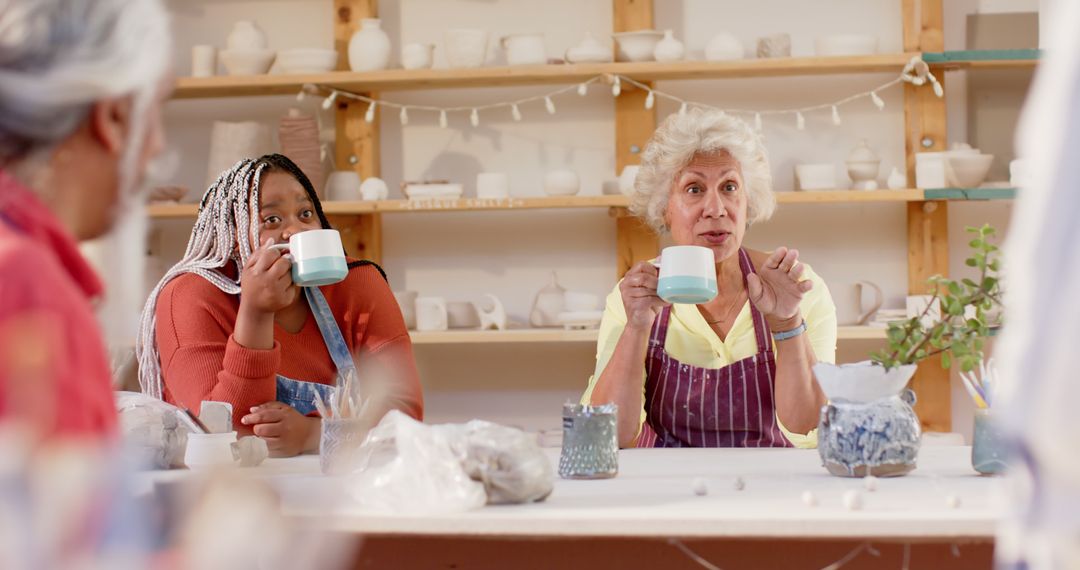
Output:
x,y
331,333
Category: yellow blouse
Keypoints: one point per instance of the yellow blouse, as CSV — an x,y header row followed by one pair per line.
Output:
x,y
692,341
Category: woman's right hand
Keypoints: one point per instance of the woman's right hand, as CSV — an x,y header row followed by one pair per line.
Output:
x,y
638,290
266,284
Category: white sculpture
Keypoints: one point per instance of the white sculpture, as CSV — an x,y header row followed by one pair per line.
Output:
x,y
495,317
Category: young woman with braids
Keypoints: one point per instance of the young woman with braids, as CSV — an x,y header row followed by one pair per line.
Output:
x,y
227,323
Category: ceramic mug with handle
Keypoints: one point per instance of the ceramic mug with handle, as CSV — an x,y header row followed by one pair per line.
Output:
x,y
687,274
317,257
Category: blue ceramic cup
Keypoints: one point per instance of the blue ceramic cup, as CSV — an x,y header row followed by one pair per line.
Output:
x,y
317,257
687,274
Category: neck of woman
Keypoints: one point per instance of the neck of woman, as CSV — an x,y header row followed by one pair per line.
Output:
x,y
729,278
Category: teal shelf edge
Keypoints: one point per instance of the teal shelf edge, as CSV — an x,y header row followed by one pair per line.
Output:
x,y
969,193
981,55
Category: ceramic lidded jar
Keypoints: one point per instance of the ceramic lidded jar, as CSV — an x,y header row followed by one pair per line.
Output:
x,y
862,165
868,427
369,47
246,36
549,302
669,48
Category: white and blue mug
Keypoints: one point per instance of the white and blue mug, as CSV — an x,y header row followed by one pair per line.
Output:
x,y
317,258
687,274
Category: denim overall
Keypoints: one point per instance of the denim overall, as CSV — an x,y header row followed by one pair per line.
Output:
x,y
300,394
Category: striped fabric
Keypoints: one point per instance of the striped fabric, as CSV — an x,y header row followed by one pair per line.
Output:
x,y
690,406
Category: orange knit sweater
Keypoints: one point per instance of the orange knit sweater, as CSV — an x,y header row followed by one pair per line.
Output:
x,y
200,360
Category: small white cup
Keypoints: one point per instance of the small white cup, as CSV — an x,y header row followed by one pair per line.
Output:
x,y
492,185
417,56
687,274
203,61
431,314
209,450
317,257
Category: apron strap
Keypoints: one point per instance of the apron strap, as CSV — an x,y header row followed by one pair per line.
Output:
x,y
761,328
658,336
331,333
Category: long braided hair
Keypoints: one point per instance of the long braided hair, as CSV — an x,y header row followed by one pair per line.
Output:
x,y
230,205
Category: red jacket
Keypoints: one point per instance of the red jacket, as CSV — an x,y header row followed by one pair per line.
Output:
x,y
54,372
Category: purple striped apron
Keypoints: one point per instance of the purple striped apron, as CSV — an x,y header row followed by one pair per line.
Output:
x,y
690,406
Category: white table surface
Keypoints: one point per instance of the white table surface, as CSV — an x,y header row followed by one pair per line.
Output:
x,y
652,496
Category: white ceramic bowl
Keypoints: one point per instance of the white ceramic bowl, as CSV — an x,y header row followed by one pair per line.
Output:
x,y
561,183
815,176
845,44
247,62
967,170
637,46
298,61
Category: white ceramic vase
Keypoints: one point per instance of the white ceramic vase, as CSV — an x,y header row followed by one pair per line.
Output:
x,y
369,47
669,48
245,36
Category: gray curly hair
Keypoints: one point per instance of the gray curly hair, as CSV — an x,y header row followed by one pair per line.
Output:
x,y
700,131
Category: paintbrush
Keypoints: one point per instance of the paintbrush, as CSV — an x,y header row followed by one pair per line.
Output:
x,y
195,419
973,391
321,406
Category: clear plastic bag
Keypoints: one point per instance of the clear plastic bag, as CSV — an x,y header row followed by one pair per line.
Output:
x,y
151,430
406,466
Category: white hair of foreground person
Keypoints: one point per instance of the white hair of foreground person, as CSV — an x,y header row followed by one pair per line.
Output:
x,y
1039,393
700,131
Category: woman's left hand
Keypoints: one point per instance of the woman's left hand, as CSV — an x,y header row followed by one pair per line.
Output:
x,y
286,431
776,290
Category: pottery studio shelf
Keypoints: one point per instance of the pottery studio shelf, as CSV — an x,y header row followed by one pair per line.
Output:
x,y
402,80
583,336
984,59
179,211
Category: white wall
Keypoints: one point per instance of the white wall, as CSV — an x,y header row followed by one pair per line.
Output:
x,y
511,254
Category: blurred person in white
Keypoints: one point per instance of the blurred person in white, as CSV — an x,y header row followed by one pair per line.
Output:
x,y
1039,390
82,84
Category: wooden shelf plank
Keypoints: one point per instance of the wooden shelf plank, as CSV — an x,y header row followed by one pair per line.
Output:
x,y
984,59
820,196
401,79
970,193
587,336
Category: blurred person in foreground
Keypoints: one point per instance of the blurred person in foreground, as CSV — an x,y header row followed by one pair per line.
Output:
x,y
81,90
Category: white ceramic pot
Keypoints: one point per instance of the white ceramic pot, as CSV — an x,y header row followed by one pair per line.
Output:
x,y
369,47
374,189
431,314
930,169
307,60
636,46
525,49
462,315
820,176
246,36
343,185
576,301
492,185
466,48
203,61
209,450
669,48
590,50
406,301
724,46
561,183
967,170
627,178
417,56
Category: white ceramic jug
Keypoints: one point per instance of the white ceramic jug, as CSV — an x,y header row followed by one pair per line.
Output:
x,y
369,47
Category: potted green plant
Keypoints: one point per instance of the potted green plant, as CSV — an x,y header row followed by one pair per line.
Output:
x,y
868,427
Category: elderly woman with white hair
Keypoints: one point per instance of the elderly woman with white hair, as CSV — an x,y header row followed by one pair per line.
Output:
x,y
81,90
734,371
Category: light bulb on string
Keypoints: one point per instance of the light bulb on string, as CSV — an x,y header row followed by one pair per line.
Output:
x,y
583,89
370,115
301,96
474,118
757,122
404,115
938,90
650,100
800,121
877,101
442,118
682,110
549,105
616,86
515,112
835,116
329,101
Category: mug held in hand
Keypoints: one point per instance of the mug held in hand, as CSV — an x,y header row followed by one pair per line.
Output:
x,y
687,274
317,258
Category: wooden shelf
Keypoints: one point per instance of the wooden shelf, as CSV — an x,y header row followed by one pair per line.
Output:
x,y
984,59
970,193
401,79
587,336
835,196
